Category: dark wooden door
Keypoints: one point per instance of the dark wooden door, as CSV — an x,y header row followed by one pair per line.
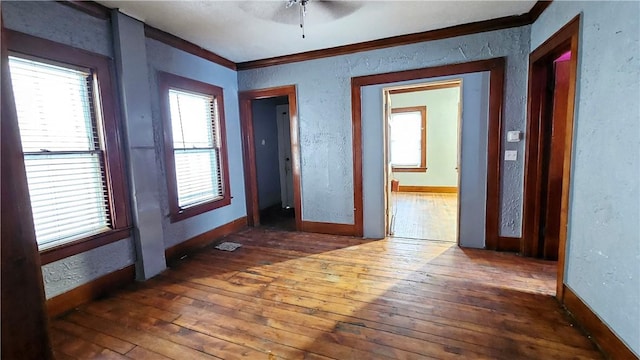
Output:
x,y
554,156
25,327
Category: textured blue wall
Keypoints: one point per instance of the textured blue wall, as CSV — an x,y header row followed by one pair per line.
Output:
x,y
324,104
168,59
603,257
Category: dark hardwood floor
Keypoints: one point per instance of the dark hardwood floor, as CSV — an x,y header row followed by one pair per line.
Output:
x,y
286,295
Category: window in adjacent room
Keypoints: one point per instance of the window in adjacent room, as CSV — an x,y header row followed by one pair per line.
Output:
x,y
195,153
408,139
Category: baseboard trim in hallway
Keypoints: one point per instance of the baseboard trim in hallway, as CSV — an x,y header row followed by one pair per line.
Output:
x,y
600,333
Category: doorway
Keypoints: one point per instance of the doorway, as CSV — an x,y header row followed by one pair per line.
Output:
x,y
422,156
481,143
269,125
552,81
272,141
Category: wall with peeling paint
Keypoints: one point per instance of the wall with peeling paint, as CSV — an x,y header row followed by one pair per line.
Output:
x,y
324,105
65,274
603,245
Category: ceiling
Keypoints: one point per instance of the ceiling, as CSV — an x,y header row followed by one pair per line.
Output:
x,y
251,30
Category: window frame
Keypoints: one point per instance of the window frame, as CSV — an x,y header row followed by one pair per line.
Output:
x,y
423,139
109,130
166,82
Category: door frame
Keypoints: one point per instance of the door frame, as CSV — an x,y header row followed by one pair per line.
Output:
x,y
426,86
540,62
249,150
496,68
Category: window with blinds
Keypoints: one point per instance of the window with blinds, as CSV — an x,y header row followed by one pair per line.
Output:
x,y
196,147
408,138
63,157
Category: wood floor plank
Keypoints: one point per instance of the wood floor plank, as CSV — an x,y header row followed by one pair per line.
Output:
x,y
93,336
76,347
468,327
472,333
141,338
145,321
321,329
286,295
140,353
322,318
425,215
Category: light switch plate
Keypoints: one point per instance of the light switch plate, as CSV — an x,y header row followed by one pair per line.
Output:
x,y
511,155
513,136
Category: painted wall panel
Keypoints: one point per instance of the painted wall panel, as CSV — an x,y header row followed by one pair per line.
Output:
x,y
131,65
265,132
442,136
603,253
68,273
56,22
325,113
168,59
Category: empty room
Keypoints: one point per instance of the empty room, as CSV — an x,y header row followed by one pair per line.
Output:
x,y
308,179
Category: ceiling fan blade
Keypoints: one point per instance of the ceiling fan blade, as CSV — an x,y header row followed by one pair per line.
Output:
x,y
288,11
338,9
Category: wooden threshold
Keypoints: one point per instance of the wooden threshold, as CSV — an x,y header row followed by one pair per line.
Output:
x,y
428,189
286,295
600,333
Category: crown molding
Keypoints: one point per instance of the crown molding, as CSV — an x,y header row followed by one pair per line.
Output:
x,y
537,10
184,45
453,31
89,7
100,11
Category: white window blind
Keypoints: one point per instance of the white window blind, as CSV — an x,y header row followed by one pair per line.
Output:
x,y
196,144
406,139
63,158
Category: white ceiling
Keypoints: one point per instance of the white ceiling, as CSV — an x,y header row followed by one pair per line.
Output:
x,y
251,30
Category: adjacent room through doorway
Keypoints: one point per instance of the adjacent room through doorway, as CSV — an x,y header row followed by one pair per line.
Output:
x,y
272,141
423,161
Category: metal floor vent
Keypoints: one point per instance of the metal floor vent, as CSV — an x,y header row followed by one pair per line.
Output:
x,y
228,246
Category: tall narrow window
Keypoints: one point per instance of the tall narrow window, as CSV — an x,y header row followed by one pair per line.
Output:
x,y
195,153
62,153
408,145
69,138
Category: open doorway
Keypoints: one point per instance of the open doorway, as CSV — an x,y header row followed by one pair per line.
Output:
x,y
269,124
272,141
481,131
423,162
552,81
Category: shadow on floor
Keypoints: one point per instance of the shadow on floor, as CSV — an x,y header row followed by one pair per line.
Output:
x,y
278,218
